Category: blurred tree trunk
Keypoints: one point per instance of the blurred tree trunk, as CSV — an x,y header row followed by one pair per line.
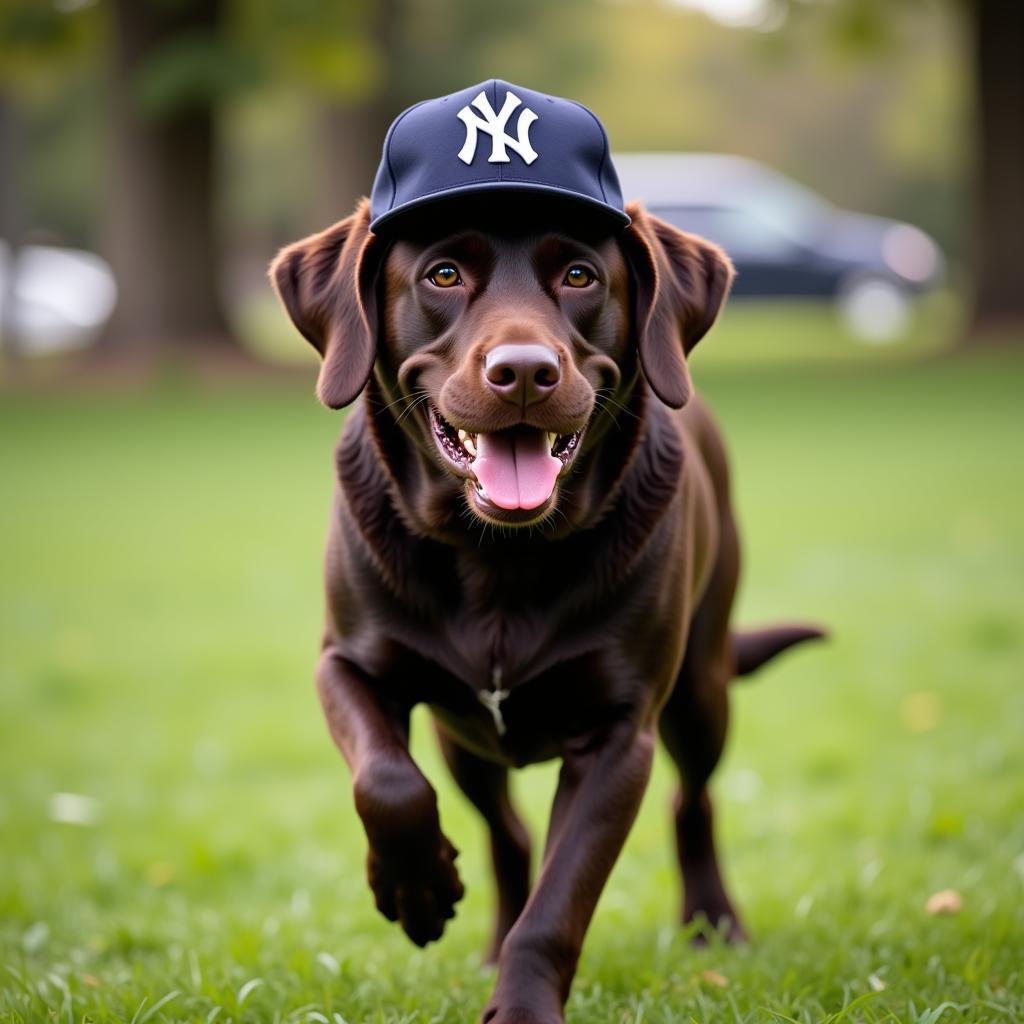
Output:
x,y
999,176
12,220
352,136
353,132
161,220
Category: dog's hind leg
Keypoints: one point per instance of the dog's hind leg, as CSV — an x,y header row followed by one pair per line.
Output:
x,y
693,726
486,786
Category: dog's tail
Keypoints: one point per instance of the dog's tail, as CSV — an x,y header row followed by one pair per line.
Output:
x,y
754,647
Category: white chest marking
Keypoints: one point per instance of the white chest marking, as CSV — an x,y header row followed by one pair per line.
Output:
x,y
491,699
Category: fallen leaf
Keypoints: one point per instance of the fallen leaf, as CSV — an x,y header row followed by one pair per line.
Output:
x,y
91,980
160,874
921,712
876,983
945,901
714,978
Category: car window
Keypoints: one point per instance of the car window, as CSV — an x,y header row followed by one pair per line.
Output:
x,y
792,210
741,233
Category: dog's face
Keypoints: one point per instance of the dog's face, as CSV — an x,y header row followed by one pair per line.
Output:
x,y
499,342
505,339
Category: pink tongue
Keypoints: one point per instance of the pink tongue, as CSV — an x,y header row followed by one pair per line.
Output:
x,y
516,467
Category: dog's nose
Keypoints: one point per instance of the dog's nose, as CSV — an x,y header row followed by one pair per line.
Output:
x,y
522,373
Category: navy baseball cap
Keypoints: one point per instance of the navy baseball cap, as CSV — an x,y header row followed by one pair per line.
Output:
x,y
495,137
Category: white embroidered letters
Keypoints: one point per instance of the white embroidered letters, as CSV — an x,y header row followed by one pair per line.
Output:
x,y
494,125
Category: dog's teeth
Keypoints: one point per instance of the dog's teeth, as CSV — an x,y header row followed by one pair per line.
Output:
x,y
552,439
468,442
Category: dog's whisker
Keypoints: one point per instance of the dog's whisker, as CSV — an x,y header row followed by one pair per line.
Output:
x,y
556,511
409,408
400,399
604,409
605,395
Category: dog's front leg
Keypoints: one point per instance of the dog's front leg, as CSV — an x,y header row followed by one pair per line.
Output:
x,y
599,792
410,864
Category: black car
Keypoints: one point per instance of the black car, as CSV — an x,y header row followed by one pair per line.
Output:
x,y
787,241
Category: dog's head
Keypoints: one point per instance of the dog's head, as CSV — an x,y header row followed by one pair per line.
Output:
x,y
500,342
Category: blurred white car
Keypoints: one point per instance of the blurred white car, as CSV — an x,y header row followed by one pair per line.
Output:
x,y
53,299
787,241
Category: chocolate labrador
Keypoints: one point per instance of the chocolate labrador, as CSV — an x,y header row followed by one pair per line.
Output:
x,y
532,535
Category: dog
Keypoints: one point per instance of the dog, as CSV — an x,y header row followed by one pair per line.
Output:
x,y
532,534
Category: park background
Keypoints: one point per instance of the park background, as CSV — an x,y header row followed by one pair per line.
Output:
x,y
176,834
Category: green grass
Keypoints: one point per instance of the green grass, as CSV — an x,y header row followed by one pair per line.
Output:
x,y
159,617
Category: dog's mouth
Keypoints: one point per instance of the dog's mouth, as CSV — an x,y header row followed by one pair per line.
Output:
x,y
512,469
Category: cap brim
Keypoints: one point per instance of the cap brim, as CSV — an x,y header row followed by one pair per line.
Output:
x,y
389,222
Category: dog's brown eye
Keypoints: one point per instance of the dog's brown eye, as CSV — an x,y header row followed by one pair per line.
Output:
x,y
444,275
578,277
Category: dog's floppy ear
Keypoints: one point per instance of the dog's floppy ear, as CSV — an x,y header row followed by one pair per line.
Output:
x,y
681,283
327,283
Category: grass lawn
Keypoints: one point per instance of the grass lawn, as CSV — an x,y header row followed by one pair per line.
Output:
x,y
159,618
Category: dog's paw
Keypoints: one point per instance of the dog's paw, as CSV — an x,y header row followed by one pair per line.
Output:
x,y
418,887
496,1014
715,920
519,999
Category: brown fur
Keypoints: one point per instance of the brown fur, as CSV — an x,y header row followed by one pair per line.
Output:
x,y
605,616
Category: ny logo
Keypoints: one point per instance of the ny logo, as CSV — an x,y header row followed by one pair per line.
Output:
x,y
494,125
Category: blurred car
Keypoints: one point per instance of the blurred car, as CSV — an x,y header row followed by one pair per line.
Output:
x,y
53,299
787,241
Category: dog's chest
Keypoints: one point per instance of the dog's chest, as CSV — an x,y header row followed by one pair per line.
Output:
x,y
496,650
512,680
520,696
